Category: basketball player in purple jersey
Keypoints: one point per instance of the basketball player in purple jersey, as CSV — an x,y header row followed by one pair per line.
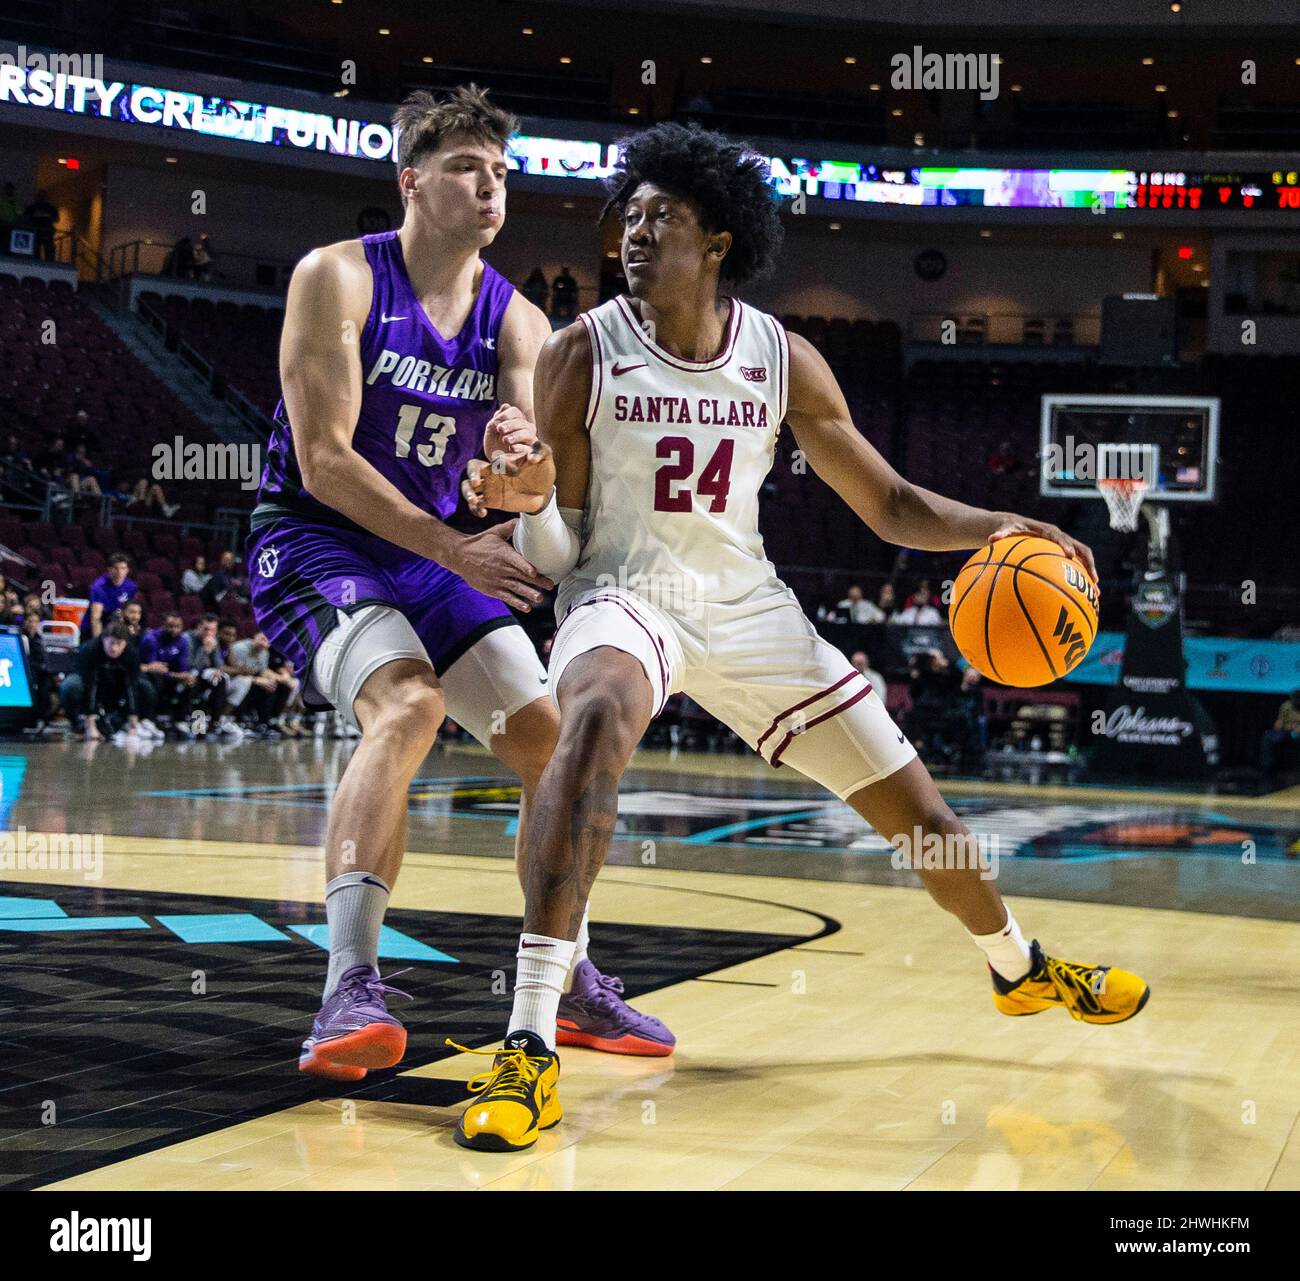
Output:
x,y
403,355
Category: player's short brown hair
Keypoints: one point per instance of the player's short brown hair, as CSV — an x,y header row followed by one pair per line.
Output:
x,y
423,122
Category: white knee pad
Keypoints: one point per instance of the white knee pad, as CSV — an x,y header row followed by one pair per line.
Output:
x,y
361,644
497,676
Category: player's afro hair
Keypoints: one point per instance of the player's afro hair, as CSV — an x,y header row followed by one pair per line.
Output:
x,y
725,180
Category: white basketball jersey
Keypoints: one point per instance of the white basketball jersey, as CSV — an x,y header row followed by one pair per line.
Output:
x,y
679,450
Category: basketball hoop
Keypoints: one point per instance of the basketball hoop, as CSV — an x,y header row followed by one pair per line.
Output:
x,y
1125,475
1123,501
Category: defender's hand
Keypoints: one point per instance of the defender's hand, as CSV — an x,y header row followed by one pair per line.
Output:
x,y
1072,547
521,484
508,432
489,563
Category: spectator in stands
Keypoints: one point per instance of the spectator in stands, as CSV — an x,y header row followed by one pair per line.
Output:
x,y
15,457
149,494
230,580
52,462
195,579
227,635
11,607
887,602
862,663
9,215
921,609
78,431
34,607
212,686
105,686
289,722
109,592
1284,734
970,721
858,609
165,660
203,258
38,665
934,686
83,477
263,699
131,616
535,288
180,261
924,595
42,217
564,296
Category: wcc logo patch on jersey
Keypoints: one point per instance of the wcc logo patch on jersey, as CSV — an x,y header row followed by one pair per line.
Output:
x,y
754,373
268,561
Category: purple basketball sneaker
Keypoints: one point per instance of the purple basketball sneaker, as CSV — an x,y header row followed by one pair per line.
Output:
x,y
594,1014
354,1031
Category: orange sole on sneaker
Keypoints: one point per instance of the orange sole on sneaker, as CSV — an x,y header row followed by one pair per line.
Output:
x,y
350,1057
623,1045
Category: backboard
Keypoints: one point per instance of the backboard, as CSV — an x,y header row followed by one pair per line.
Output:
x,y
1184,431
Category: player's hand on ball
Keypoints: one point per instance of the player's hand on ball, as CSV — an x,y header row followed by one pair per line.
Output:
x,y
508,432
1041,529
489,563
519,484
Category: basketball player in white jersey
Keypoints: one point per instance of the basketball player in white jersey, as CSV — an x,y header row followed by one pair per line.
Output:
x,y
662,410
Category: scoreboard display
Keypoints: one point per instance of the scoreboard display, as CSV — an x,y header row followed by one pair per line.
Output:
x,y
1276,189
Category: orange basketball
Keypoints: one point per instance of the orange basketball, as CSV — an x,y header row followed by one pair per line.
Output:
x,y
1022,612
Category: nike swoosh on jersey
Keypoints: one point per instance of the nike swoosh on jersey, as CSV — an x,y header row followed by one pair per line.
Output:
x,y
384,320
620,370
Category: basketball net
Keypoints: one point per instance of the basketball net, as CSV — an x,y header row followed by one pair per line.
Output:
x,y
1123,501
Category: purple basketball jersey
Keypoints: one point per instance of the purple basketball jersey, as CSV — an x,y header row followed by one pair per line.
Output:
x,y
425,399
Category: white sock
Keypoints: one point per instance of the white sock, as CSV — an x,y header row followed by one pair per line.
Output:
x,y
543,963
579,950
354,908
1006,949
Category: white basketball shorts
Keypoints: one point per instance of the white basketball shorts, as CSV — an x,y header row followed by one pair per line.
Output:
x,y
756,664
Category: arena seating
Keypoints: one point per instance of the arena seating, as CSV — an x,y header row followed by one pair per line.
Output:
x,y
42,385
972,416
242,342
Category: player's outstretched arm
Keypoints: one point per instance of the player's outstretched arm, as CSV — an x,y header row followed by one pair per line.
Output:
x,y
320,373
892,507
549,536
518,474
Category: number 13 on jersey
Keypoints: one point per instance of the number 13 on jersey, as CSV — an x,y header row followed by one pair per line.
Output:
x,y
440,428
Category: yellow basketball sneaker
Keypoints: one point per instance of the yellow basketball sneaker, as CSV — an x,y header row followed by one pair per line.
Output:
x,y
1092,993
518,1096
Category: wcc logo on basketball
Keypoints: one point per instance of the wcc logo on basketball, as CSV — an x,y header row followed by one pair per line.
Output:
x,y
1067,634
1070,638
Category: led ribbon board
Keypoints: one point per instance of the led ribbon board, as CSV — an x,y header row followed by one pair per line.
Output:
x,y
269,125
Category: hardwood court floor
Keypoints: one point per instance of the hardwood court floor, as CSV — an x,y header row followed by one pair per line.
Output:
x,y
835,1030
